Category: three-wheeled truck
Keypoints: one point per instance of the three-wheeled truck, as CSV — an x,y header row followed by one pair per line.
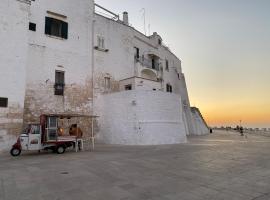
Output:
x,y
54,132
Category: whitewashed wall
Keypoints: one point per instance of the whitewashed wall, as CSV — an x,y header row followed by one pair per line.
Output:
x,y
141,118
140,84
48,54
33,57
200,127
13,54
118,62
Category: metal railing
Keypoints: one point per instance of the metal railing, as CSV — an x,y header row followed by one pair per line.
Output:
x,y
59,88
148,63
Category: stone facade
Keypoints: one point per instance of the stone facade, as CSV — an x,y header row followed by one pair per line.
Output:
x,y
48,54
96,59
14,18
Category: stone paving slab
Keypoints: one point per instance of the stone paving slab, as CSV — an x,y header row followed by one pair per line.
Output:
x,y
219,166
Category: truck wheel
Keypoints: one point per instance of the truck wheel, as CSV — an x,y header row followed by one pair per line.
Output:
x,y
15,152
60,149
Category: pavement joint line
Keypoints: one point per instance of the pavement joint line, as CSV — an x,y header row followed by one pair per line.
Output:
x,y
224,171
3,189
260,196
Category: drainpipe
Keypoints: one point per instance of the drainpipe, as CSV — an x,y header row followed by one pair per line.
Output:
x,y
93,62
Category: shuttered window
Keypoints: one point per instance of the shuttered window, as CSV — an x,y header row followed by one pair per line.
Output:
x,y
59,83
56,27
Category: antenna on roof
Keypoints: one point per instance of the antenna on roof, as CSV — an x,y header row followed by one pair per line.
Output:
x,y
149,30
143,10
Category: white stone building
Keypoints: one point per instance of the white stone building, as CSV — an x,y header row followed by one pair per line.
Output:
x,y
57,59
14,19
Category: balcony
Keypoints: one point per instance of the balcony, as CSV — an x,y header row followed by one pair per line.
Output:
x,y
152,63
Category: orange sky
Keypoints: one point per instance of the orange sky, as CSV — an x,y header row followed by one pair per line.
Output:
x,y
253,111
225,50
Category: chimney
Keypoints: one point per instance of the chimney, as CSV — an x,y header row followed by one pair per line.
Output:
x,y
125,18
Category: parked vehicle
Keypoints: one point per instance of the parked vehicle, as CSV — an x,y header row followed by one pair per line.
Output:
x,y
49,135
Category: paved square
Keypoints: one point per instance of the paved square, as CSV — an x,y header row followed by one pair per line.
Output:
x,y
223,165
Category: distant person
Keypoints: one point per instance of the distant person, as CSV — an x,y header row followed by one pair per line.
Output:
x,y
211,130
241,131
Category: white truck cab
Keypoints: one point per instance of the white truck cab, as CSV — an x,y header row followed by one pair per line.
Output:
x,y
31,138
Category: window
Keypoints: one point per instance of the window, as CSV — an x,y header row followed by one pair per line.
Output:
x,y
153,63
52,128
32,26
59,83
159,41
101,42
35,129
3,102
137,55
56,27
107,83
128,87
167,65
169,88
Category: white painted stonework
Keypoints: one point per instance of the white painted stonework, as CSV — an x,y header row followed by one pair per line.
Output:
x,y
101,58
14,18
141,118
200,125
47,54
6,140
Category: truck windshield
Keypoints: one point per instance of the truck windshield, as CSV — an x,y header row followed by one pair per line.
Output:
x,y
35,129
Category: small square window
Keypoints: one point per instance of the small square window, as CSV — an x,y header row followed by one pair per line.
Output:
x,y
128,87
3,102
32,26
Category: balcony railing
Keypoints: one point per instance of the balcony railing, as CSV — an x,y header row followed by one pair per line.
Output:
x,y
148,63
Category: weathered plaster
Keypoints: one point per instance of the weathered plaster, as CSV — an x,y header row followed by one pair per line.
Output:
x,y
140,118
14,18
33,57
40,99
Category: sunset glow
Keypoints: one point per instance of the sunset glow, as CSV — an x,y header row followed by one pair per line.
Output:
x,y
225,48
